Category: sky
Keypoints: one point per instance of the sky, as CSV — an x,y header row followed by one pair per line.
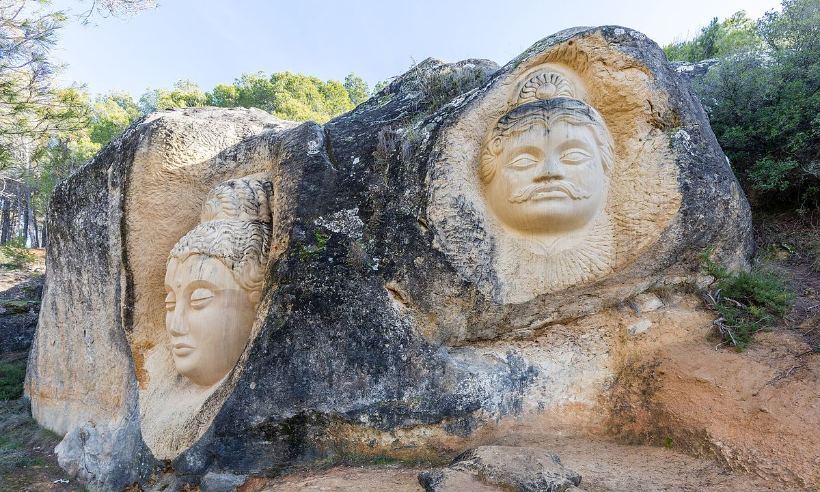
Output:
x,y
211,42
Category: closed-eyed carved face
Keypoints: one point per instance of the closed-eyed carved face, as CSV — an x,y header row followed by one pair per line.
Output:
x,y
209,317
214,280
545,167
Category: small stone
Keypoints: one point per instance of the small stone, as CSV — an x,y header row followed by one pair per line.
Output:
x,y
704,281
502,468
639,327
221,482
647,302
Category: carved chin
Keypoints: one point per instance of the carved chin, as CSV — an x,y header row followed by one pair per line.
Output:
x,y
188,366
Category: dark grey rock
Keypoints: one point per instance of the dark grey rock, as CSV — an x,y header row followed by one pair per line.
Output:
x,y
221,482
524,469
694,71
19,309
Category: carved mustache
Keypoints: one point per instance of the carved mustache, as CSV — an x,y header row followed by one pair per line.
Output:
x,y
573,191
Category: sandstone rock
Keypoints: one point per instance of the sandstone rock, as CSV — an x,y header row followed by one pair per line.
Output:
x,y
694,71
639,327
523,469
448,480
408,302
647,302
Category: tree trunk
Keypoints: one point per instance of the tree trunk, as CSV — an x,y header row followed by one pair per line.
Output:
x,y
15,216
5,222
44,242
35,239
25,213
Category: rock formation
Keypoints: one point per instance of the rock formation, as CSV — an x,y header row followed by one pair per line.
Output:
x,y
438,264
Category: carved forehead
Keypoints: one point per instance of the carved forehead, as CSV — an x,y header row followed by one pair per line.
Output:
x,y
561,131
198,267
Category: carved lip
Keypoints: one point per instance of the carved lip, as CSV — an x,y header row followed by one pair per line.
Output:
x,y
550,193
182,349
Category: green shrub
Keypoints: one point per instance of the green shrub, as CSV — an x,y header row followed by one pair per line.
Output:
x,y
12,375
716,40
747,302
15,254
763,103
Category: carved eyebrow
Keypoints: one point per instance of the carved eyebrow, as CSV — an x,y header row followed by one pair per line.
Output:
x,y
201,283
526,148
576,142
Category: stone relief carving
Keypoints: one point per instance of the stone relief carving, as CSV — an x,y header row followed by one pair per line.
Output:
x,y
214,278
560,174
545,169
545,85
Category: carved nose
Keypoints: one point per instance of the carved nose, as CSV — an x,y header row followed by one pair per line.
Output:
x,y
551,169
177,326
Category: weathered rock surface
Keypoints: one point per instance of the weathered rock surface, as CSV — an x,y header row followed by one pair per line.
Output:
x,y
394,321
694,71
524,469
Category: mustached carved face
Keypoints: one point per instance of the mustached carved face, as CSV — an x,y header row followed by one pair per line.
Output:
x,y
548,179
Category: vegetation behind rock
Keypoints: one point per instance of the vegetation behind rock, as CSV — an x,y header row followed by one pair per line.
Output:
x,y
763,101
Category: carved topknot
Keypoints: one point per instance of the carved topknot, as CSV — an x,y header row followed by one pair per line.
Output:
x,y
545,85
235,227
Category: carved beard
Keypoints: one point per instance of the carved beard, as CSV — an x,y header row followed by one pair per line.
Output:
x,y
526,267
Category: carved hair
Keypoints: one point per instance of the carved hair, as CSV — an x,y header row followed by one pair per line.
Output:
x,y
544,113
239,199
235,228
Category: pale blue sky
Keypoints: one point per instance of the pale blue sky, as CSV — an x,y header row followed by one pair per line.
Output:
x,y
209,41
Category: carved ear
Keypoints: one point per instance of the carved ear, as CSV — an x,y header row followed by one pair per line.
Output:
x,y
255,297
496,145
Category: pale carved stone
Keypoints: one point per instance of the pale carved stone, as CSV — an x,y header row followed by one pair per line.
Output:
x,y
539,222
545,168
545,85
214,280
213,283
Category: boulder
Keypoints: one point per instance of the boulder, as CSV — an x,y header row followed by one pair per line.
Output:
x,y
523,469
434,266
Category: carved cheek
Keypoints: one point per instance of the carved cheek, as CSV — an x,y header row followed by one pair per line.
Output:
x,y
497,188
597,178
514,179
198,322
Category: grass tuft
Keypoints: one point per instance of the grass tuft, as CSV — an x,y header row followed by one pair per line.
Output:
x,y
14,254
747,302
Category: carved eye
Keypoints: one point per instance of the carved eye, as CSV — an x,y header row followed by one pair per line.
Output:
x,y
170,301
200,298
523,161
575,156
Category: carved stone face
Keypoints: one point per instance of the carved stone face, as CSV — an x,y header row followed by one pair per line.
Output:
x,y
548,179
209,317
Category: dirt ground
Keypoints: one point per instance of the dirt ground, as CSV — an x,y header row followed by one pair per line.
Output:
x,y
604,466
